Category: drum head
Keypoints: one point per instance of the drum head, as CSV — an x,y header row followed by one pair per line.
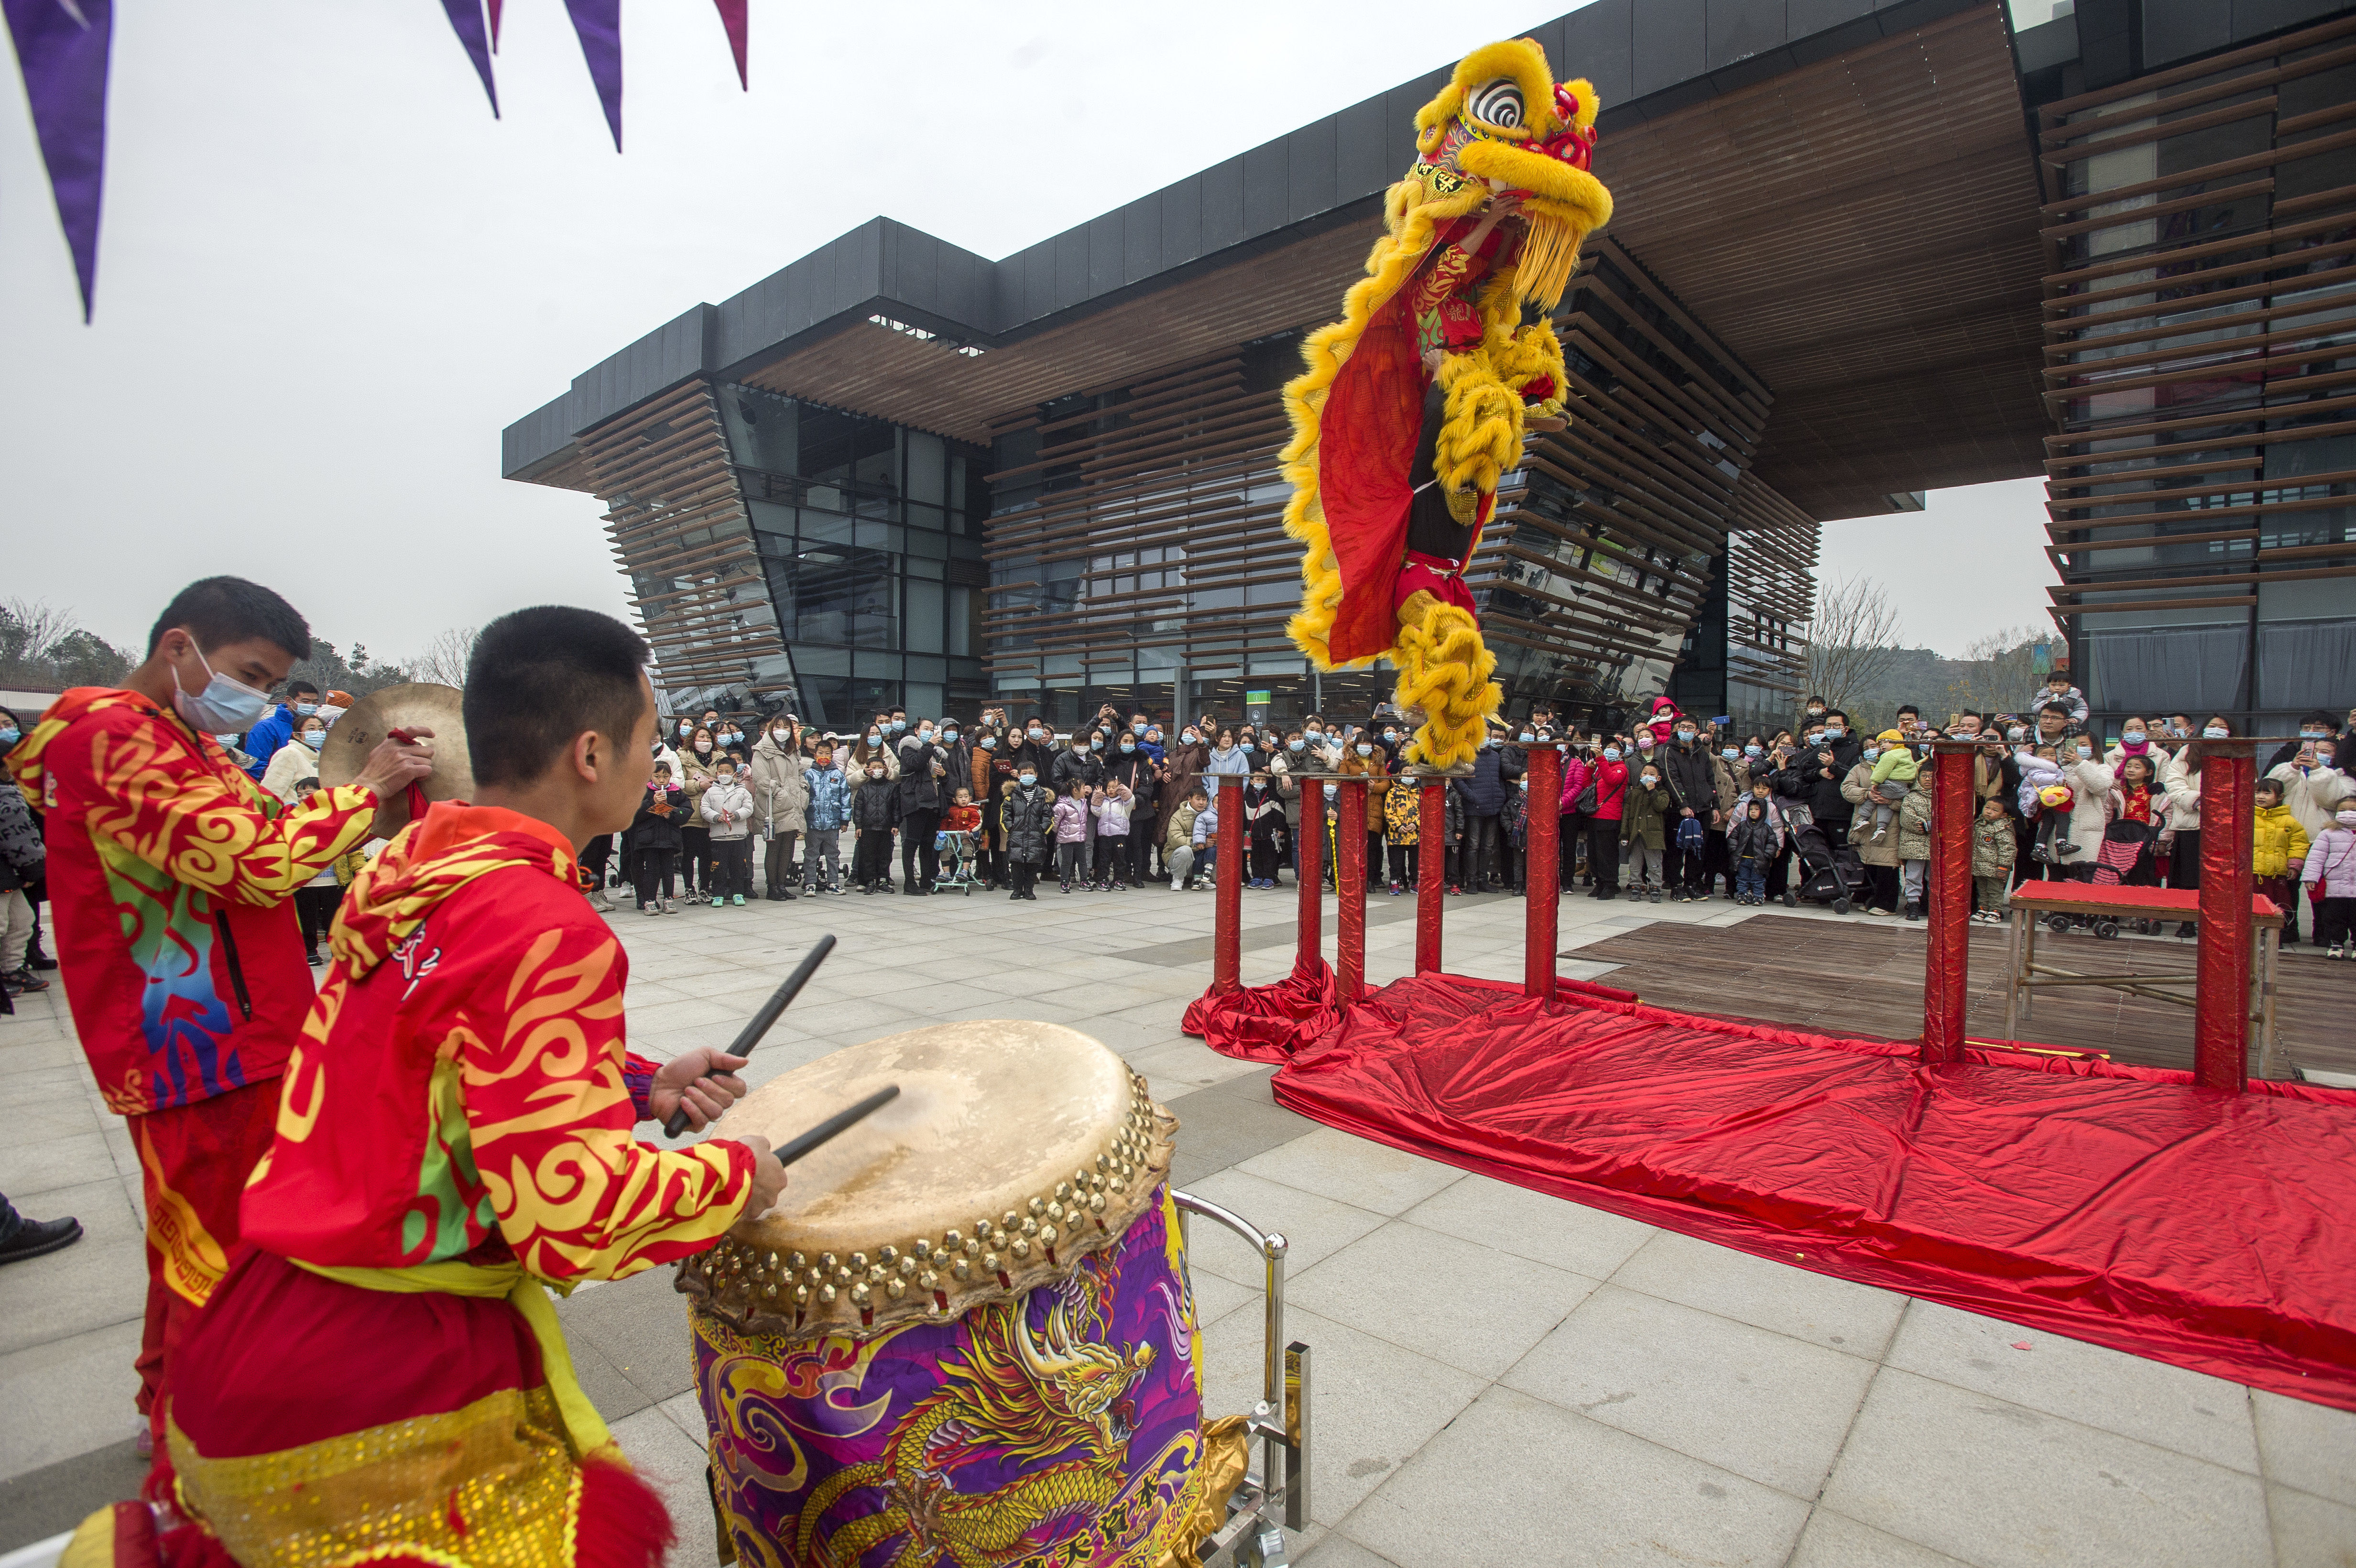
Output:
x,y
420,706
1013,1148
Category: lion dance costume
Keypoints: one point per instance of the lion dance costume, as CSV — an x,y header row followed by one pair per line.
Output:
x,y
1395,465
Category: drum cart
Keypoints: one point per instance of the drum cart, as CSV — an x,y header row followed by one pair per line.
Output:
x,y
1276,1494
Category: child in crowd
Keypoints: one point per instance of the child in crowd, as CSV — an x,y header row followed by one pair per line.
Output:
x,y
727,809
1894,769
1110,805
2277,850
1178,839
874,811
1752,843
1029,813
1514,831
1072,835
2047,798
1641,833
1994,850
653,840
1204,841
2057,688
2329,875
962,818
828,810
1400,813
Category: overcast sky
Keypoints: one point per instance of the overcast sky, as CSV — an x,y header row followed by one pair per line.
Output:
x,y
327,277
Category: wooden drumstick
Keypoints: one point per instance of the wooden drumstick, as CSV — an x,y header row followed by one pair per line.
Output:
x,y
758,1024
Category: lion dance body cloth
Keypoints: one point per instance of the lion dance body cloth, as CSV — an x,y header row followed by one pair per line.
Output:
x,y
1413,405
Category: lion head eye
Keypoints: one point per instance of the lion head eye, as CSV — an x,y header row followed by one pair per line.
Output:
x,y
1497,103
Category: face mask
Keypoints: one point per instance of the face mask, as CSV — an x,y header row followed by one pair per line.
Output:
x,y
1390,737
1834,731
1686,736
1527,737
2133,738
1137,729
306,709
781,732
1815,713
11,735
1030,779
898,725
1872,752
1246,745
1296,745
1191,738
2313,734
224,705
1651,782
1611,753
1365,749
874,738
1035,734
1129,748
925,735
2322,759
703,745
684,726
1095,742
315,739
1487,742
949,736
876,774
990,743
2212,732
727,779
2016,734
1815,737
1750,751
1729,753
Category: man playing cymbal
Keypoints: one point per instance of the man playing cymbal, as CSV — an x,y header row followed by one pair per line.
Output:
x,y
380,1376
173,876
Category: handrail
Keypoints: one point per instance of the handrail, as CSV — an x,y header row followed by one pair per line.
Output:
x,y
1270,1421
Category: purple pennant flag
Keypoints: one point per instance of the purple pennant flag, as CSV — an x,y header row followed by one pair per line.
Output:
x,y
61,50
599,24
466,21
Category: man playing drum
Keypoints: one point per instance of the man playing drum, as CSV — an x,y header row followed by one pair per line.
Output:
x,y
173,875
380,1375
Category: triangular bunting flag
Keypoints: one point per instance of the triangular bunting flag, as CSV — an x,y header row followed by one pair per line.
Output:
x,y
732,18
599,24
61,52
497,7
466,21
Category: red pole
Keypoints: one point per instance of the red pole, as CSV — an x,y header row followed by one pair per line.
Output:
x,y
1227,963
2221,1000
1350,884
1308,854
1946,975
1541,872
1432,861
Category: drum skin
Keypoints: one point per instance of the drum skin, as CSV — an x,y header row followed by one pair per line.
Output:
x,y
1064,1426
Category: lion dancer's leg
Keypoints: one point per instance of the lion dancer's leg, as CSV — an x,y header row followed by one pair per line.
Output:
x,y
1444,670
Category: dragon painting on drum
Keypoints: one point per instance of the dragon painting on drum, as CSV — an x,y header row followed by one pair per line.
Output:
x,y
1417,402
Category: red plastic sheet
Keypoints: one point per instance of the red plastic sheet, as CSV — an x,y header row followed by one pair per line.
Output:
x,y
1264,1023
2124,1206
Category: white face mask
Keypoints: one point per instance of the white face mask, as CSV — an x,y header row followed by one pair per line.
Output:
x,y
225,706
315,739
2212,732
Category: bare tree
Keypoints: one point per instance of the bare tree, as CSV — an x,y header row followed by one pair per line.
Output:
x,y
41,646
29,629
444,658
1852,641
1998,673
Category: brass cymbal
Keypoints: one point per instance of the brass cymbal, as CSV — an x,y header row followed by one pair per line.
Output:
x,y
420,706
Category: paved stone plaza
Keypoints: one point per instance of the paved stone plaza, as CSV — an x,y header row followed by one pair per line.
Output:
x,y
1503,1378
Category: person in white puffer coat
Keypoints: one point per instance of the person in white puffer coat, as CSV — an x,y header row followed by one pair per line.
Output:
x,y
727,809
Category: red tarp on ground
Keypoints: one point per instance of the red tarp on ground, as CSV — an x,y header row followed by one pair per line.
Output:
x,y
2120,1205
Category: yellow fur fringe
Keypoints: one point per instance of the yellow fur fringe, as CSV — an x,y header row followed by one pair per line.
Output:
x,y
1444,668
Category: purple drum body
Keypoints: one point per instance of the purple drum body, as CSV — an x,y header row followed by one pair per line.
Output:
x,y
1062,1427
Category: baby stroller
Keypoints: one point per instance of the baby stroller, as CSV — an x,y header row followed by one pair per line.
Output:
x,y
2128,859
958,862
1826,875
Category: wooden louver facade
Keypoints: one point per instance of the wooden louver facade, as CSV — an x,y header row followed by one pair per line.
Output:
x,y
2199,236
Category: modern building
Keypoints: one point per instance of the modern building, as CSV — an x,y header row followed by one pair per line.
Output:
x,y
1862,250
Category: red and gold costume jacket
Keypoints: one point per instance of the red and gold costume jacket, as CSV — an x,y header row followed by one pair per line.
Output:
x,y
460,1090
172,875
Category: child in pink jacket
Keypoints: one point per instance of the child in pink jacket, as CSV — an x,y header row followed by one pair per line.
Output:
x,y
1072,835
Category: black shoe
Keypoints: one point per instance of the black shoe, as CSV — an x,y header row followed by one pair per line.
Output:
x,y
35,1237
40,960
2184,931
25,980
313,958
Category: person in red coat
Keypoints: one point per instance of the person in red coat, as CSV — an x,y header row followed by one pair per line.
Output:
x,y
173,877
1608,776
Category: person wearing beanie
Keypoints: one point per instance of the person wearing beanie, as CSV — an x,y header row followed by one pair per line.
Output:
x,y
1894,768
2330,874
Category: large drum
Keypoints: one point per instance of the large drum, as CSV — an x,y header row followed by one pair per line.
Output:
x,y
965,1336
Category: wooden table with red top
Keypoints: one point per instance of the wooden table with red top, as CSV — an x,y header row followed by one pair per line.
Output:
x,y
2033,900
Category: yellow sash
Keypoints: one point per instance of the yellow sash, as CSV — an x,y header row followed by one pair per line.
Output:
x,y
583,1425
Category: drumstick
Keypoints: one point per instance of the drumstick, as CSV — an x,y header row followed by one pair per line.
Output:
x,y
758,1024
842,1121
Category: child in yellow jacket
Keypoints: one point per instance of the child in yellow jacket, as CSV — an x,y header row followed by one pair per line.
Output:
x,y
2277,851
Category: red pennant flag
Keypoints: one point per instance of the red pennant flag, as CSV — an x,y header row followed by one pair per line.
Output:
x,y
497,7
599,24
466,21
62,50
732,18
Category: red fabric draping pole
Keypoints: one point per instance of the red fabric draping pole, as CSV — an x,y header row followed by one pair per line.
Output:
x,y
2220,1000
1541,870
1947,975
1350,890
1227,893
1432,870
1308,854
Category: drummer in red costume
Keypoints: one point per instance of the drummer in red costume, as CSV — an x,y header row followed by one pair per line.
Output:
x,y
173,876
380,1376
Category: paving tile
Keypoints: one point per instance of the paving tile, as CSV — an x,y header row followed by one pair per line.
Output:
x,y
674,1465
1529,1224
2310,1532
40,1049
90,1284
1516,1481
1375,1403
55,1498
40,1087
1354,1170
2002,1486
2307,1445
2136,1397
640,1324
1452,1300
1313,1228
1854,1318
609,1389
1215,1131
1762,1404
1338,1551
29,1170
1216,1296
84,1389
686,1412
1837,1540
1188,1062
